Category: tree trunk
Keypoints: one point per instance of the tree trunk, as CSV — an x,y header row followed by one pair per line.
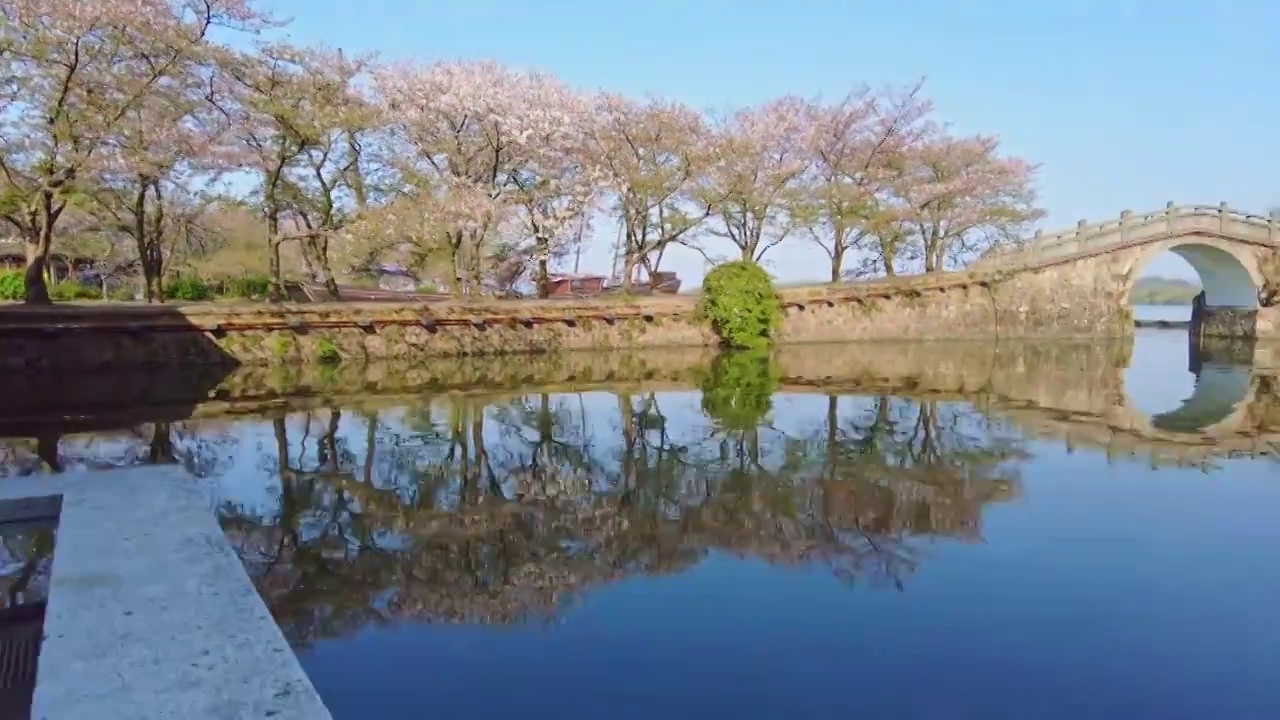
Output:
x,y
628,269
455,264
315,255
543,278
146,238
151,260
36,291
275,293
837,263
322,253
931,259
888,256
40,220
474,284
155,288
354,174
933,256
650,269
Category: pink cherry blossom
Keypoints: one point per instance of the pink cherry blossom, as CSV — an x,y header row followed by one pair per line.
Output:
x,y
74,73
650,155
754,180
857,143
957,196
495,141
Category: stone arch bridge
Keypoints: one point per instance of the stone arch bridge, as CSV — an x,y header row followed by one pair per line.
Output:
x,y
1081,278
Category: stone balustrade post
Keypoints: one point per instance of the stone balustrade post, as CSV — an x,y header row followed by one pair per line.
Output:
x,y
1125,220
1223,211
1080,235
1170,215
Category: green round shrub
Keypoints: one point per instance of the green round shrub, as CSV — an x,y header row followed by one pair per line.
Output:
x,y
188,287
739,300
12,285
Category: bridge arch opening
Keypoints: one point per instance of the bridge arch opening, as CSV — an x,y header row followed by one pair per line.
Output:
x,y
1225,280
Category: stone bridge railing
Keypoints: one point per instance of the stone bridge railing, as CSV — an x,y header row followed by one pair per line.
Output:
x,y
1132,229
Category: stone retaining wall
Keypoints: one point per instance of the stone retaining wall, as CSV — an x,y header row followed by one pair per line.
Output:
x,y
949,306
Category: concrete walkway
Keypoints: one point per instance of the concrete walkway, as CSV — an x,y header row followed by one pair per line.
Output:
x,y
150,613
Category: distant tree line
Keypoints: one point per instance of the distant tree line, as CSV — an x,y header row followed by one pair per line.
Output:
x,y
1163,291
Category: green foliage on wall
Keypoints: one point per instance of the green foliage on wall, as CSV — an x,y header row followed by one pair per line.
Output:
x,y
327,352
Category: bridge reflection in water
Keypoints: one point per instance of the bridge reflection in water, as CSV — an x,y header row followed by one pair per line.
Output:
x,y
1233,394
496,491
1221,391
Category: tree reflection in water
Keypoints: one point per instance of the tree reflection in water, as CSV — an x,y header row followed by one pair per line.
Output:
x,y
470,509
484,508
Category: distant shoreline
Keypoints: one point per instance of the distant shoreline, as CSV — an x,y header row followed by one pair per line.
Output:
x,y
1163,291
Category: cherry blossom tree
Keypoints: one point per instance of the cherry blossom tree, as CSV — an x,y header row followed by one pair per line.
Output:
x,y
754,180
650,155
157,165
958,197
326,185
857,142
297,118
553,178
424,228
75,71
460,132
131,113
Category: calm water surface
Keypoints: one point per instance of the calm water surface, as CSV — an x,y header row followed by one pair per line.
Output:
x,y
901,531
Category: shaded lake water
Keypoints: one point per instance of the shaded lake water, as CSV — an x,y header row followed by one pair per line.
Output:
x,y
959,530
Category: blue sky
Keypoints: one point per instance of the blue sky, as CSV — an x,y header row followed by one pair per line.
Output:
x,y
1124,104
